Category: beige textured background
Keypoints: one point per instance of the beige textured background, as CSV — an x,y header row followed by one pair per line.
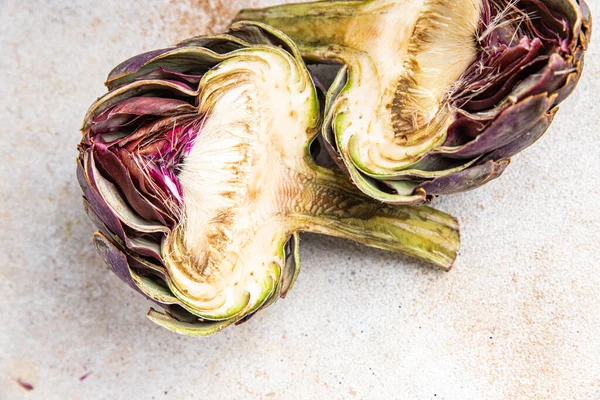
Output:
x,y
519,317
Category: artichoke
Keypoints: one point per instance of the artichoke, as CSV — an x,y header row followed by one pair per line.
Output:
x,y
198,168
434,97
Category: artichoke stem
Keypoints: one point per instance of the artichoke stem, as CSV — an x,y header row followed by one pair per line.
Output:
x,y
328,204
310,25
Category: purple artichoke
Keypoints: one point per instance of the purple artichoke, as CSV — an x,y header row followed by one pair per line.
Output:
x,y
434,97
196,167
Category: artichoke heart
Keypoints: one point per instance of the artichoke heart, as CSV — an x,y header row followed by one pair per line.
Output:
x,y
197,168
435,96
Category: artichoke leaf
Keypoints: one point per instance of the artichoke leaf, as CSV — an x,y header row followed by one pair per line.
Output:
x,y
116,259
193,329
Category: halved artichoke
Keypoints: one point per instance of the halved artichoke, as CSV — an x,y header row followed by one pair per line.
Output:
x,y
196,166
435,96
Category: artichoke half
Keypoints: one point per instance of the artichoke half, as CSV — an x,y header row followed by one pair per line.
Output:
x,y
435,96
196,166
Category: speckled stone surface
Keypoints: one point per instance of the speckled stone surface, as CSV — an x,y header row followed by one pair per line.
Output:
x,y
518,317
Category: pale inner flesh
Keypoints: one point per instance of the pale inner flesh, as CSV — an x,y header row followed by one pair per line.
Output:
x,y
226,256
407,56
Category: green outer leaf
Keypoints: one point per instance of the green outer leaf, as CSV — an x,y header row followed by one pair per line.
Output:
x,y
200,328
292,266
